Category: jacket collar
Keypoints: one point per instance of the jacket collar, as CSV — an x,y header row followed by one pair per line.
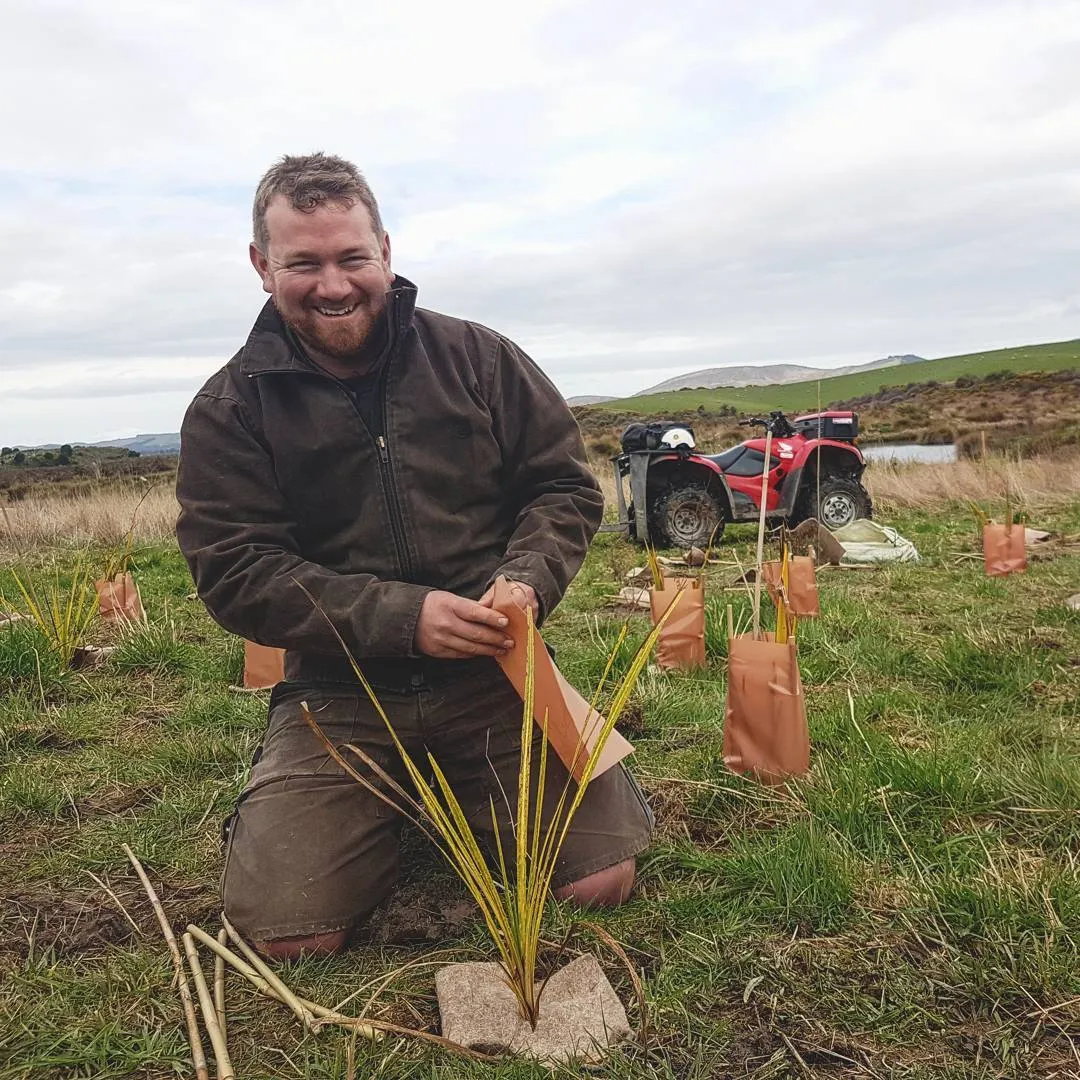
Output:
x,y
267,347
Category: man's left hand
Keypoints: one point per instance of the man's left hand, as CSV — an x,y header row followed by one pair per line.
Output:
x,y
524,594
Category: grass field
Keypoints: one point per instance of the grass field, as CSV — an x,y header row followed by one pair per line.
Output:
x,y
911,909
804,395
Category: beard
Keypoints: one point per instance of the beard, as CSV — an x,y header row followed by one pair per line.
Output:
x,y
339,338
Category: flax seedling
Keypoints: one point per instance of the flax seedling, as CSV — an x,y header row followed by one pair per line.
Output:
x,y
62,612
512,889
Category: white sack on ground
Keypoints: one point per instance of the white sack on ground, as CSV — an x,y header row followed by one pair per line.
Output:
x,y
865,541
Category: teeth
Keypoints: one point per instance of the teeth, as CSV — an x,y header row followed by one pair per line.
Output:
x,y
335,311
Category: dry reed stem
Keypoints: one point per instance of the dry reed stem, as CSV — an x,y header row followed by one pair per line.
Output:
x,y
371,1028
761,534
287,996
219,986
206,1004
198,1057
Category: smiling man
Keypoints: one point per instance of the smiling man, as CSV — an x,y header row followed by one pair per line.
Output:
x,y
394,461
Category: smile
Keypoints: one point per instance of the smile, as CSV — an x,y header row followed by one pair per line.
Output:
x,y
336,313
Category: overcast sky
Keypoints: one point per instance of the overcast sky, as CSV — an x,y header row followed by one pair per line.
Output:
x,y
629,189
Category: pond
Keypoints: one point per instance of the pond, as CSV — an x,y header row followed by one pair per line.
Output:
x,y
909,452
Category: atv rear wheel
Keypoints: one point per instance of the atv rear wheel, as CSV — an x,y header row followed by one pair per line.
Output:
x,y
686,515
836,502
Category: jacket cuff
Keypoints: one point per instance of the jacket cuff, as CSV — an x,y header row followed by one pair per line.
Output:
x,y
395,616
523,569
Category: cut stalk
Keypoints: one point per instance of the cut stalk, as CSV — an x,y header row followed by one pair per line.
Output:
x,y
219,986
206,1004
198,1057
287,996
761,536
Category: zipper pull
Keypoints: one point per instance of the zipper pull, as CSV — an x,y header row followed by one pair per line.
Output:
x,y
384,455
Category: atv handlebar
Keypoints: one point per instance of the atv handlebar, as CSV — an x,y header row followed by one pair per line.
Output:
x,y
777,423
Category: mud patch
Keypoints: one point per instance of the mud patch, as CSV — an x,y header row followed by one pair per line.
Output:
x,y
112,799
85,920
419,914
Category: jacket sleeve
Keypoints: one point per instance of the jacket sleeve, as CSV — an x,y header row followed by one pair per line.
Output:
x,y
546,475
239,538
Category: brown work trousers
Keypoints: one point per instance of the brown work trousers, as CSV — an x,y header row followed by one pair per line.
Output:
x,y
310,851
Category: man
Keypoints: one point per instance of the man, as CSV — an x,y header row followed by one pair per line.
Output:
x,y
395,461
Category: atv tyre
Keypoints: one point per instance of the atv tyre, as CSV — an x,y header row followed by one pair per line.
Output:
x,y
839,501
684,516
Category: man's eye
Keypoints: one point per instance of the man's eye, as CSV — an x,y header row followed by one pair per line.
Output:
x,y
354,260
302,266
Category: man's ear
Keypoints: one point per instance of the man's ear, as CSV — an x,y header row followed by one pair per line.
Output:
x,y
262,267
386,249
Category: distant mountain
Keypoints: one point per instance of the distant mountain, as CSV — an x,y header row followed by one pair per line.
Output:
x,y
141,444
147,444
589,399
766,374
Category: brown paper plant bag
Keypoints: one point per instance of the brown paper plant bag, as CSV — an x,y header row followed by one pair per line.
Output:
x,y
801,585
765,730
682,640
264,666
119,599
1004,549
572,723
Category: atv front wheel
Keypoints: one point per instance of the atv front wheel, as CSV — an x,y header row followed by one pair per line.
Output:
x,y
837,501
686,515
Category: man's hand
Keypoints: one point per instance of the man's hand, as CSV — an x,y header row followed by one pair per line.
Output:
x,y
451,627
524,594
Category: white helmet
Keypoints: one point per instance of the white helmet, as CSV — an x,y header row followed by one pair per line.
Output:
x,y
676,437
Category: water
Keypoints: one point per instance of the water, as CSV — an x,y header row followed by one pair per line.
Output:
x,y
909,452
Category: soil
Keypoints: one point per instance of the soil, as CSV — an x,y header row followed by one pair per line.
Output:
x,y
419,914
77,922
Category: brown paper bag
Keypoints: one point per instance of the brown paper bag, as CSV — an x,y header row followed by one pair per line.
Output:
x,y
802,594
572,725
264,666
765,732
119,599
682,640
1004,550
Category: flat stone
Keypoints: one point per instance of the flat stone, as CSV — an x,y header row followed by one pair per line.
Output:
x,y
580,1014
1073,602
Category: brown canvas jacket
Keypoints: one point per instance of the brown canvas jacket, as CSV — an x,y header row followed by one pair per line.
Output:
x,y
481,471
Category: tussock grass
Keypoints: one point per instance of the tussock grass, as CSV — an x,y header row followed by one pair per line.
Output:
x,y
1033,484
104,518
908,910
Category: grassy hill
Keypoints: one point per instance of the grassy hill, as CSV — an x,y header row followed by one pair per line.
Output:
x,y
1055,356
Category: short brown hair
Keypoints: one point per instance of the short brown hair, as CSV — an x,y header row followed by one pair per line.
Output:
x,y
308,181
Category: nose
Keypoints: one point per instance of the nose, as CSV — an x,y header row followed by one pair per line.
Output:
x,y
333,284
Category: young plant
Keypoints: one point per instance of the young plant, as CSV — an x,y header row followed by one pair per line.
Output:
x,y
511,891
63,613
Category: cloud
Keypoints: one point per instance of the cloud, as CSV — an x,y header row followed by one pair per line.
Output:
x,y
627,190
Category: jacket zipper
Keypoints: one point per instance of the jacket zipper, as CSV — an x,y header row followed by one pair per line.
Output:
x,y
386,478
397,519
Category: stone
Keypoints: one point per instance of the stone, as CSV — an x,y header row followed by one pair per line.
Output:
x,y
581,1016
1073,602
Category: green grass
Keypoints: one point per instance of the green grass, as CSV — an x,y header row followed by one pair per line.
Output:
x,y
911,909
804,395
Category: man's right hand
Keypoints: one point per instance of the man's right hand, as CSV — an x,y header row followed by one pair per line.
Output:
x,y
451,627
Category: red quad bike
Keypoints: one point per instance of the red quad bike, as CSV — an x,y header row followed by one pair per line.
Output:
x,y
688,497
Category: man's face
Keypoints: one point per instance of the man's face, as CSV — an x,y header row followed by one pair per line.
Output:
x,y
327,271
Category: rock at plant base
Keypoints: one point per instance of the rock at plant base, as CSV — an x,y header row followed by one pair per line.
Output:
x,y
580,1015
694,557
91,656
1073,602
